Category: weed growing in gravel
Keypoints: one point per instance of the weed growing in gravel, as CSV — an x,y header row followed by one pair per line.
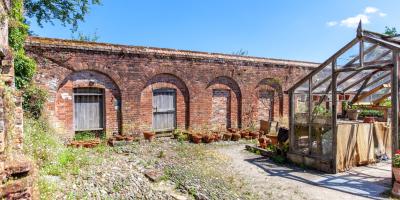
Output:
x,y
52,157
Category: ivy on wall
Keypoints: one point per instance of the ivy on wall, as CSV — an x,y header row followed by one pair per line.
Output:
x,y
24,66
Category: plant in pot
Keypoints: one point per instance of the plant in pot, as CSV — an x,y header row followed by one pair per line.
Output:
x,y
352,112
235,136
196,138
208,136
217,136
244,133
396,173
227,136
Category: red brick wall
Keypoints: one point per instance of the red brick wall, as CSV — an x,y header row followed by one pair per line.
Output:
x,y
64,107
136,71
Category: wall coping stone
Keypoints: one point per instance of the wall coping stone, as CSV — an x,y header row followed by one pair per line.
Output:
x,y
43,42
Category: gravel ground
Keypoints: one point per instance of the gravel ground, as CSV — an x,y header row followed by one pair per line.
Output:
x,y
220,170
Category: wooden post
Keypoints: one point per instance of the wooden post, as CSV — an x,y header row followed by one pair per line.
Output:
x,y
291,121
395,102
309,114
334,115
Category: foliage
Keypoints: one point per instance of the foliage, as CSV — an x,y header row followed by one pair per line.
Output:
x,y
88,135
240,52
371,113
34,100
24,66
52,156
68,12
396,159
387,103
391,31
320,110
88,38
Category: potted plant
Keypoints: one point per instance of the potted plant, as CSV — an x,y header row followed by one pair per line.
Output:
x,y
227,136
254,134
244,133
208,137
217,136
352,113
396,172
235,136
196,138
149,135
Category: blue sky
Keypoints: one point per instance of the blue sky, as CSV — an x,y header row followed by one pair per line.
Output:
x,y
309,30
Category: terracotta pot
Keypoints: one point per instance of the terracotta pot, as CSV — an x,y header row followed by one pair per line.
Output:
x,y
396,172
263,145
396,189
217,137
207,138
247,137
196,138
352,114
243,134
341,97
346,96
273,139
262,140
315,98
254,135
232,130
369,119
227,136
235,136
119,137
149,135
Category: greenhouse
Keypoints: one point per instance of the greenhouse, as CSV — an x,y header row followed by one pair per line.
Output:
x,y
340,114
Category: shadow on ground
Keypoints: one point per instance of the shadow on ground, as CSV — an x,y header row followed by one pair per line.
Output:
x,y
366,181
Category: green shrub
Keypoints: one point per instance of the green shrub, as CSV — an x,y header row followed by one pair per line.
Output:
x,y
34,100
371,113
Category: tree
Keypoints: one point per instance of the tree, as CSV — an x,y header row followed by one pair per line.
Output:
x,y
391,31
68,12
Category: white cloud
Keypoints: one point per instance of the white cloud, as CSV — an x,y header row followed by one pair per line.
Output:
x,y
332,23
352,22
381,14
370,10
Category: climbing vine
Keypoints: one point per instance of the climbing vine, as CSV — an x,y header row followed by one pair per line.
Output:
x,y
24,66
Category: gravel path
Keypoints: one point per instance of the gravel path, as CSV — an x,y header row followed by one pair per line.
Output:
x,y
286,182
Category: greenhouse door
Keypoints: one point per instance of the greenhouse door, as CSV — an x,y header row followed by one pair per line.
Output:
x,y
88,109
164,109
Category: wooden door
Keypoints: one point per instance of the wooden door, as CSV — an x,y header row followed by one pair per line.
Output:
x,y
164,109
88,109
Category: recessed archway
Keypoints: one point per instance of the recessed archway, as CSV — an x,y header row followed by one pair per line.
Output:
x,y
226,102
106,101
164,90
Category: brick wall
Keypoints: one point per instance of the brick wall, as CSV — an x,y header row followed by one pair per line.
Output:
x,y
137,71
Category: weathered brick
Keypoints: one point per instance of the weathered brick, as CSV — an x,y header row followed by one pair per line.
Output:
x,y
130,74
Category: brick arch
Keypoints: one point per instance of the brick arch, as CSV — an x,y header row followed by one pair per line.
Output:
x,y
229,84
166,80
275,86
63,105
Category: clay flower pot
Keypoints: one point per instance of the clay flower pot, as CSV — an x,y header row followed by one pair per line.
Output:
x,y
227,136
149,135
217,137
254,135
196,138
232,130
396,172
352,114
235,136
208,138
243,134
369,120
